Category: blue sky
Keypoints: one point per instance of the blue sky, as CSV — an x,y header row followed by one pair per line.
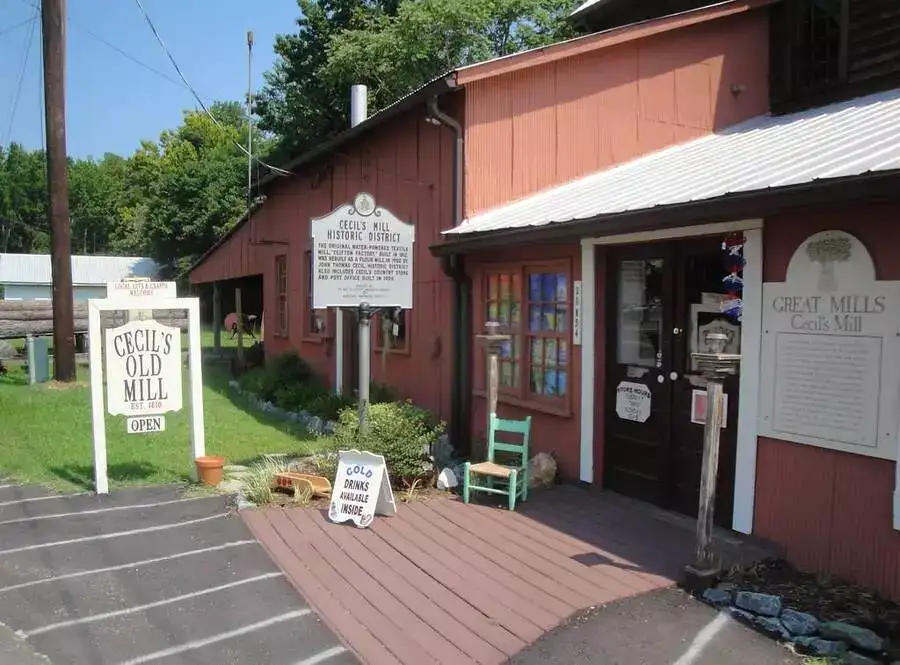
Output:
x,y
112,103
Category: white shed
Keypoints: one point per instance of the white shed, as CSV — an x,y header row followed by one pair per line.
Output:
x,y
28,276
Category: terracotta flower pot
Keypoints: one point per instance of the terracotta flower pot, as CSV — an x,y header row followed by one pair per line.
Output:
x,y
210,469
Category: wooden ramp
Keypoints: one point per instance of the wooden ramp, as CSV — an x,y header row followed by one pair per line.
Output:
x,y
449,583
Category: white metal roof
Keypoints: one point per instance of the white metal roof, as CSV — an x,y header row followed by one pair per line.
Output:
x,y
587,4
86,270
845,139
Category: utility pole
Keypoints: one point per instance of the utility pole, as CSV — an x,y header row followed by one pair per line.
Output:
x,y
54,37
249,120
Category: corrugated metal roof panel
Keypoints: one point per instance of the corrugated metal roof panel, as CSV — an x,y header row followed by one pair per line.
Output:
x,y
86,270
845,139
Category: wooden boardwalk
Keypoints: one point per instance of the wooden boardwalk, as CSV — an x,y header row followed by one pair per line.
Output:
x,y
449,583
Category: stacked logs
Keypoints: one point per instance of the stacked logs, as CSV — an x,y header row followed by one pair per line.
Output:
x,y
19,318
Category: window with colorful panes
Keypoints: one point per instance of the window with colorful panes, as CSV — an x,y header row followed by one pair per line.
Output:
x,y
532,305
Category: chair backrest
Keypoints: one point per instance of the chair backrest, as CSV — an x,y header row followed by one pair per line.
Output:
x,y
522,427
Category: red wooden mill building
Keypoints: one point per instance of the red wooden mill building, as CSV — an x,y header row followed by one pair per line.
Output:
x,y
581,195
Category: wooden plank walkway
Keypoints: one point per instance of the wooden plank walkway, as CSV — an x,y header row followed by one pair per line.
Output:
x,y
448,583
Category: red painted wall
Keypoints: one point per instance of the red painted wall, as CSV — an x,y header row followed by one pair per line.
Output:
x,y
832,511
543,126
407,166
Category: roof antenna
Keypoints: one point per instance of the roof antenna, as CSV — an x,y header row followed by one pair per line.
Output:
x,y
249,119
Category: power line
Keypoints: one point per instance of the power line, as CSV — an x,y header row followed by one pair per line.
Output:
x,y
17,25
15,104
159,39
126,55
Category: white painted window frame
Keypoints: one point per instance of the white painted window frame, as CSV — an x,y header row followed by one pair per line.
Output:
x,y
751,337
95,307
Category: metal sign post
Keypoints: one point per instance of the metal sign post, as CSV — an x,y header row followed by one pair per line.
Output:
x,y
362,259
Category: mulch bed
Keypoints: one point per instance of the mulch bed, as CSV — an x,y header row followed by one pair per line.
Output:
x,y
826,598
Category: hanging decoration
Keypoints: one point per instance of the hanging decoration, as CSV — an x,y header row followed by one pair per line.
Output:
x,y
733,248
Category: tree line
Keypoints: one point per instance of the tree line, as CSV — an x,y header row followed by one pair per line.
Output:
x,y
175,196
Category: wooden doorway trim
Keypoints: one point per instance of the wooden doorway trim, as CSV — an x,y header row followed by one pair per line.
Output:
x,y
751,336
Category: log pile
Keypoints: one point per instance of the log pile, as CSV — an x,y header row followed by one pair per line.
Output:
x,y
19,318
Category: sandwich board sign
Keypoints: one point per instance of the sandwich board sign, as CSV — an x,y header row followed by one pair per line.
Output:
x,y
361,490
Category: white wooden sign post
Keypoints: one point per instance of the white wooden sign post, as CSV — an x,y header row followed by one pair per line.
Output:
x,y
143,367
362,489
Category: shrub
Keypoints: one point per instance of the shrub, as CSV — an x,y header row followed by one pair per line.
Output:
x,y
379,393
284,370
399,431
328,405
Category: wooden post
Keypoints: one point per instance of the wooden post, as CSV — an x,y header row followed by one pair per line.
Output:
x,y
54,37
709,473
217,319
493,383
715,366
240,317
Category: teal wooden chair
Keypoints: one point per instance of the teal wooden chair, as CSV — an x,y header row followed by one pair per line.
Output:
x,y
512,479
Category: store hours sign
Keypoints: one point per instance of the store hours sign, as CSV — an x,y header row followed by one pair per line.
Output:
x,y
362,254
143,365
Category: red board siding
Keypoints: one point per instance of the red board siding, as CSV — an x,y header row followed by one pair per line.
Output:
x,y
543,126
407,166
832,511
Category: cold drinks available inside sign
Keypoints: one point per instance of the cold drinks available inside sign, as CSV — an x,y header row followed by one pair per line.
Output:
x,y
143,365
362,254
361,489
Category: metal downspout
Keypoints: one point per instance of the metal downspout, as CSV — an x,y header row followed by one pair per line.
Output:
x,y
454,267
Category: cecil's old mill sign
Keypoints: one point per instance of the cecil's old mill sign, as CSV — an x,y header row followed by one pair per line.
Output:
x,y
143,365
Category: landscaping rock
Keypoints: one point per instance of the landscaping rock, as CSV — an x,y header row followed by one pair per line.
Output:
x,y
740,615
542,470
853,658
231,486
718,597
759,603
302,465
799,623
234,385
861,638
816,646
447,479
773,627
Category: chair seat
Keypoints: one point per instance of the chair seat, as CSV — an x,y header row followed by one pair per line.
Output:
x,y
492,469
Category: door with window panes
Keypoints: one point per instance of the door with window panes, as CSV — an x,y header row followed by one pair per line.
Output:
x,y
532,304
661,297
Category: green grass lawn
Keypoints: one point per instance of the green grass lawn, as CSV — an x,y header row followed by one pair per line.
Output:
x,y
46,436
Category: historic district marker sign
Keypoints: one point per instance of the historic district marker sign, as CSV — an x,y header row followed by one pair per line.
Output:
x,y
362,489
362,254
831,350
143,369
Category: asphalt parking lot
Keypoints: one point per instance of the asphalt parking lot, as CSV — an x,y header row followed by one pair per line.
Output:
x,y
145,576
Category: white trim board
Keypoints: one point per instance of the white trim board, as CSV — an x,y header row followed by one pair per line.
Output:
x,y
751,334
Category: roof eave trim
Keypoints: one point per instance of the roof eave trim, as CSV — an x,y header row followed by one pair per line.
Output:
x,y
877,186
605,39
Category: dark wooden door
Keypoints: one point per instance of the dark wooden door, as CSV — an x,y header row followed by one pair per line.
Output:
x,y
700,267
639,397
661,297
